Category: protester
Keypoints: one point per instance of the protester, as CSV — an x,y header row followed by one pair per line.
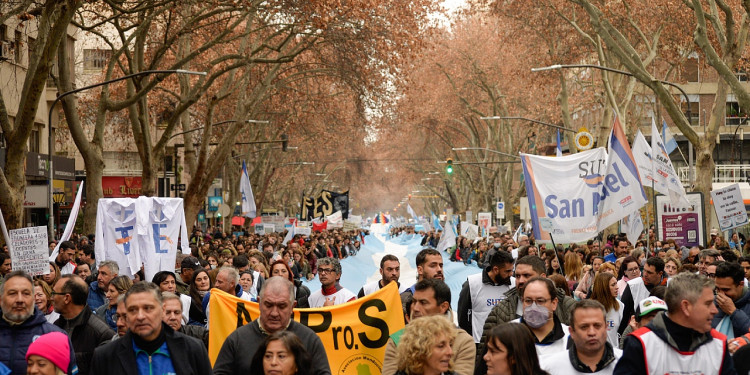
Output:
x,y
629,270
584,287
150,346
390,271
117,287
198,289
589,350
65,258
21,324
671,266
425,347
43,300
605,292
48,355
53,275
227,280
331,292
281,353
301,292
173,317
640,288
167,282
276,303
573,270
86,331
511,351
482,291
5,264
682,339
432,297
108,270
732,297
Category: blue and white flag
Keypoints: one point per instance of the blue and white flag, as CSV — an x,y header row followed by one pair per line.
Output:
x,y
558,149
448,238
670,144
248,199
436,222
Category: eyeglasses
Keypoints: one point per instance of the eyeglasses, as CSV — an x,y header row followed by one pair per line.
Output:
x,y
538,301
632,269
711,275
325,270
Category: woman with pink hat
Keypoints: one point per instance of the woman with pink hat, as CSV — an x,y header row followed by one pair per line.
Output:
x,y
48,355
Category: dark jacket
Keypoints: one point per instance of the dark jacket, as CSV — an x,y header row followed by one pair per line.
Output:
x,y
86,332
740,318
303,293
679,338
15,341
189,356
96,296
505,311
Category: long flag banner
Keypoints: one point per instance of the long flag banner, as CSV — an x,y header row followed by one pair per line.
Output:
x,y
665,177
71,223
574,197
325,204
248,199
354,334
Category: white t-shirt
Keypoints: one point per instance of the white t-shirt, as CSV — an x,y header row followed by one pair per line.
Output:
x,y
613,318
161,221
116,235
317,299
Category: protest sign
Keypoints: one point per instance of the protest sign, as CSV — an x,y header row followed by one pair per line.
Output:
x,y
304,231
354,334
484,219
29,250
260,229
729,207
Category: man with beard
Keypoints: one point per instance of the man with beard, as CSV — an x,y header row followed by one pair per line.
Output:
x,y
390,271
21,323
640,288
481,292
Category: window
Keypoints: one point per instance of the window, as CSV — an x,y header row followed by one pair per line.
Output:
x,y
96,59
695,109
30,45
742,75
34,141
735,114
691,70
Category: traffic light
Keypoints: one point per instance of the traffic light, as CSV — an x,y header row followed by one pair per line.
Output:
x,y
284,142
449,166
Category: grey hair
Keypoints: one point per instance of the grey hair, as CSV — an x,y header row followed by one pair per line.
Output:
x,y
111,265
166,296
144,287
18,273
708,253
274,283
685,286
231,272
330,262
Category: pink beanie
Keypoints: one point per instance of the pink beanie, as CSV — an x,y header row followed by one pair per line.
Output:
x,y
52,346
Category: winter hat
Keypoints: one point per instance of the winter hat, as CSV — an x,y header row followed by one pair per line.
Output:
x,y
52,346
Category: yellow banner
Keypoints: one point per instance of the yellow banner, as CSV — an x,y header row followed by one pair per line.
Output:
x,y
354,334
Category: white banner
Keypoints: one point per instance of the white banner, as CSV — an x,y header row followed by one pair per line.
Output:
x,y
572,198
246,190
642,155
484,219
71,223
632,225
469,230
335,220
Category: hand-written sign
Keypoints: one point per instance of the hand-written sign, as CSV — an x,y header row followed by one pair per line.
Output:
x,y
729,207
29,250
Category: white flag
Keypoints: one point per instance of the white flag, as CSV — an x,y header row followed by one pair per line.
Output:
x,y
665,178
622,191
448,239
632,225
289,235
411,211
248,199
642,155
71,223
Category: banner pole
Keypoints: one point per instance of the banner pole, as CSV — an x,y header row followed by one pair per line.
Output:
x,y
562,270
656,233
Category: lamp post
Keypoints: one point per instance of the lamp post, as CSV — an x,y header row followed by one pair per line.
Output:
x,y
51,220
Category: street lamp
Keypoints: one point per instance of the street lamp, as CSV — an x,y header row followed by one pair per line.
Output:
x,y
51,220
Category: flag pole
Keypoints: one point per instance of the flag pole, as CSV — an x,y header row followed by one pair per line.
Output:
x,y
562,270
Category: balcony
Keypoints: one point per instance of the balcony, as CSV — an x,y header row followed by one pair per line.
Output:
x,y
723,173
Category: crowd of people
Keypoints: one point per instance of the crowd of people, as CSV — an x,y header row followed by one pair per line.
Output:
x,y
600,307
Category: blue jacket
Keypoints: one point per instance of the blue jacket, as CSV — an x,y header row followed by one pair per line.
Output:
x,y
96,296
15,341
237,292
740,318
158,363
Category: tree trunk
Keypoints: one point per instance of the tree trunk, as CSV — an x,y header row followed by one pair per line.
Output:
x,y
94,165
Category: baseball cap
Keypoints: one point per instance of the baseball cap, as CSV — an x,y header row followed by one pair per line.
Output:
x,y
650,304
190,262
714,232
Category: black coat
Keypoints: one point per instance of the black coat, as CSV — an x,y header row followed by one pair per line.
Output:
x,y
189,356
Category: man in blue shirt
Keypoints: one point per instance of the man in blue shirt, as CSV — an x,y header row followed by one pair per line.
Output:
x,y
150,347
